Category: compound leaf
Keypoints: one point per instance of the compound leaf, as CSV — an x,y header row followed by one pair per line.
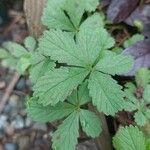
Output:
x,y
90,123
113,64
57,84
49,113
106,93
67,133
129,138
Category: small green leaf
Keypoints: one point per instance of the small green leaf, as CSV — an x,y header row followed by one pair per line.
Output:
x,y
90,123
112,63
49,113
129,138
106,93
65,137
135,38
142,77
57,84
140,118
30,43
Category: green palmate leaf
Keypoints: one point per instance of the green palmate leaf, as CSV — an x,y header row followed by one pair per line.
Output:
x,y
142,77
30,43
135,38
3,53
81,96
54,16
39,69
129,138
146,94
112,63
49,113
90,123
106,93
65,138
94,21
57,84
15,49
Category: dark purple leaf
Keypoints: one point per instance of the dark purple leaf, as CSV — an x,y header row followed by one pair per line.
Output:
x,y
119,10
141,54
143,15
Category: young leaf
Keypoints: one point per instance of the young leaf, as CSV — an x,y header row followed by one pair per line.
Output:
x,y
90,123
66,135
49,113
106,93
129,138
30,43
57,84
113,64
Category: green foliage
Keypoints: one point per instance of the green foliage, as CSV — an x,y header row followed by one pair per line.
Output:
x,y
71,66
74,114
139,105
129,138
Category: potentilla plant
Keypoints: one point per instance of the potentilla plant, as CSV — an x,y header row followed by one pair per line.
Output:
x,y
72,66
